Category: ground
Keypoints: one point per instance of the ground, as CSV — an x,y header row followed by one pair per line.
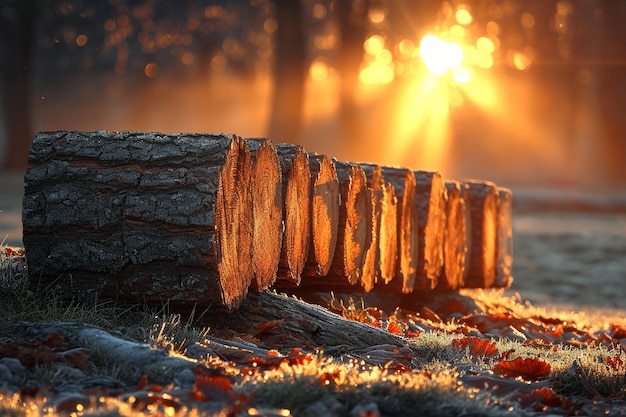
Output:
x,y
553,343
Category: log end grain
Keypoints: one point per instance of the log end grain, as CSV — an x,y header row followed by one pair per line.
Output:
x,y
504,247
354,226
404,184
455,239
267,212
431,203
388,235
482,199
324,214
297,210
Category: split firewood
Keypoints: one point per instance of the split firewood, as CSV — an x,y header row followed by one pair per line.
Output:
x,y
403,182
267,212
142,216
296,212
324,215
455,241
482,200
504,245
354,223
431,204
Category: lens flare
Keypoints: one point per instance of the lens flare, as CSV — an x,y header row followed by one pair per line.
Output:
x,y
440,56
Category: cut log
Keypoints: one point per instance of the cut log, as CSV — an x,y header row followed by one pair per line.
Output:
x,y
431,205
324,215
388,233
403,182
296,212
267,212
354,223
455,239
482,200
504,246
371,263
141,216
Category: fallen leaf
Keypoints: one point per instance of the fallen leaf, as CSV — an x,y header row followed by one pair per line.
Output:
x,y
527,368
478,347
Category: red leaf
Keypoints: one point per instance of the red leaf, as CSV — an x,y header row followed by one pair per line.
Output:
x,y
478,347
394,328
527,368
212,388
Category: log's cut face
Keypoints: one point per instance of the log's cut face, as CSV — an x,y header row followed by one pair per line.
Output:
x,y
324,213
140,216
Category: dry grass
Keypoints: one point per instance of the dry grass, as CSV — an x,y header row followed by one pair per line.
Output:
x,y
433,386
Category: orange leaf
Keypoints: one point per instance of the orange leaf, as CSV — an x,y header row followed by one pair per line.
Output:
x,y
478,347
527,368
394,328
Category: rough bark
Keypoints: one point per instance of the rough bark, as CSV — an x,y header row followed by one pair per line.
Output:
x,y
455,240
504,245
267,212
482,199
431,204
296,212
354,223
324,215
403,182
141,216
312,325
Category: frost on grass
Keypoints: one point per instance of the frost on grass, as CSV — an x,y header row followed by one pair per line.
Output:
x,y
493,356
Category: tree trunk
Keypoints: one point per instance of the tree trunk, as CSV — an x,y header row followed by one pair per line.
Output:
x,y
289,71
17,23
482,200
403,182
455,239
145,217
296,212
431,204
324,215
197,218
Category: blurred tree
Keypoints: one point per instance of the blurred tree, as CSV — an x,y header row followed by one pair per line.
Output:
x,y
290,69
353,28
16,32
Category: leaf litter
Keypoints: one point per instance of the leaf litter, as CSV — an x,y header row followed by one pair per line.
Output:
x,y
474,352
